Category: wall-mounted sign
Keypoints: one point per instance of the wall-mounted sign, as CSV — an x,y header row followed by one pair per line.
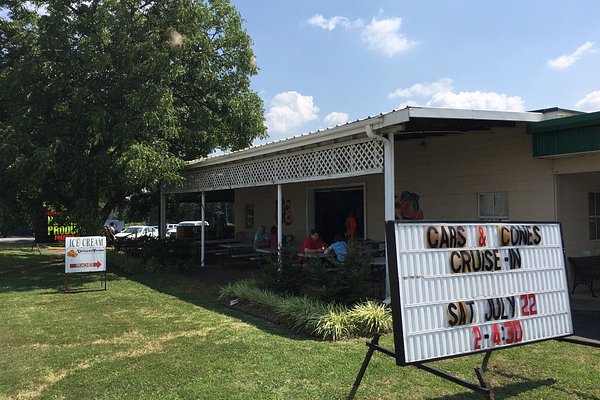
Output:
x,y
460,288
85,254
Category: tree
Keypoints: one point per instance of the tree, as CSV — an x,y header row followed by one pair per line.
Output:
x,y
102,99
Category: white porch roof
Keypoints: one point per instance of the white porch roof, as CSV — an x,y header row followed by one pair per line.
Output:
x,y
338,152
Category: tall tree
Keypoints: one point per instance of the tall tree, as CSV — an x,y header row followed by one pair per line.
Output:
x,y
100,99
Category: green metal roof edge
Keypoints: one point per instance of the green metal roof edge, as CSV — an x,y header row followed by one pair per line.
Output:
x,y
565,123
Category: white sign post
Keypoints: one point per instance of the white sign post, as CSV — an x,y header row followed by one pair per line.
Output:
x,y
469,287
84,255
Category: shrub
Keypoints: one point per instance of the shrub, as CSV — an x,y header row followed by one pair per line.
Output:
x,y
285,278
371,317
302,313
128,264
312,316
335,324
158,255
346,285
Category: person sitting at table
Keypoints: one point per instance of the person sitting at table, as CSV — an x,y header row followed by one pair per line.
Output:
x,y
273,237
339,247
261,238
312,243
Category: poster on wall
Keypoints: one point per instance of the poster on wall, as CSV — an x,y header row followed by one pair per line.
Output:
x,y
467,287
85,254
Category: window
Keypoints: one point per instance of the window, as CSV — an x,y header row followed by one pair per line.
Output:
x,y
493,206
594,215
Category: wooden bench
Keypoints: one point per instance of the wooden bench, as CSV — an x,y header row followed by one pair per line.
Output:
x,y
585,270
244,256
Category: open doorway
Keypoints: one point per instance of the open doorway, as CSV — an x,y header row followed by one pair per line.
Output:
x,y
332,207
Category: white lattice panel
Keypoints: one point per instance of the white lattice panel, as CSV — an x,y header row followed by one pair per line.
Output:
x,y
338,161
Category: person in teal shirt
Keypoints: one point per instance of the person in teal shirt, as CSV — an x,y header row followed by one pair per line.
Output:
x,y
261,237
339,247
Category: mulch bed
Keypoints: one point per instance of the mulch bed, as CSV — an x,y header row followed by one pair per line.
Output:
x,y
254,310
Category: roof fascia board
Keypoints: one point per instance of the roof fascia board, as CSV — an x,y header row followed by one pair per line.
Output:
x,y
452,113
393,118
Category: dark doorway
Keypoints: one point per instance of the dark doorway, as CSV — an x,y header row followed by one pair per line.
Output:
x,y
332,207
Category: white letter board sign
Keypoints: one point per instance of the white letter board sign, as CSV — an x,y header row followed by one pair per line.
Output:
x,y
85,254
465,287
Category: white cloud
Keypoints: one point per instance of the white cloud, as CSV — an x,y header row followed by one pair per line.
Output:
x,y
591,102
330,24
423,89
477,100
440,94
39,9
290,110
565,61
335,118
383,35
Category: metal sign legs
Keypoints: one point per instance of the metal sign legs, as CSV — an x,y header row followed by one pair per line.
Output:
x,y
484,387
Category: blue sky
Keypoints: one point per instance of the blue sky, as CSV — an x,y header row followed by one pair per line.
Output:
x,y
324,63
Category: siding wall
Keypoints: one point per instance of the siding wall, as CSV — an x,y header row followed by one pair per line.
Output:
x,y
448,172
573,212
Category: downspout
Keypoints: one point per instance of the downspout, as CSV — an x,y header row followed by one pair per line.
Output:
x,y
279,227
202,231
389,190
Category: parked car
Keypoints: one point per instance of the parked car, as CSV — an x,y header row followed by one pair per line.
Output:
x,y
193,223
134,232
189,229
171,231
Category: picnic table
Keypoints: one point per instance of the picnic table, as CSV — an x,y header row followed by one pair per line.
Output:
x,y
585,270
317,255
240,251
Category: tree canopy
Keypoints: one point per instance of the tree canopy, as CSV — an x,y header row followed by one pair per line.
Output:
x,y
101,99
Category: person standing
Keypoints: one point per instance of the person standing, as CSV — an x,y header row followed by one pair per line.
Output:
x,y
350,225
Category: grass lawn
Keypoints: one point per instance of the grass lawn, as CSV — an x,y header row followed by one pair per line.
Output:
x,y
164,336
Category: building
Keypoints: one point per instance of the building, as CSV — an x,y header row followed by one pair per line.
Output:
x,y
464,165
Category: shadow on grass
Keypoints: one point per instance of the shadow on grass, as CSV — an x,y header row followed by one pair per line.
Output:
x,y
202,290
503,392
30,271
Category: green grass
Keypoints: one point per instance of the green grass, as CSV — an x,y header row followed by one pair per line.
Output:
x,y
165,336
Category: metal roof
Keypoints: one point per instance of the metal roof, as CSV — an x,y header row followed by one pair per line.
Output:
x,y
568,135
394,122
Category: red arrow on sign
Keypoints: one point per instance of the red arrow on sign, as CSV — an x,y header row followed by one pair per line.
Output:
x,y
97,264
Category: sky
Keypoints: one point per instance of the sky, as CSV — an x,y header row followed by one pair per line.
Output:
x,y
325,63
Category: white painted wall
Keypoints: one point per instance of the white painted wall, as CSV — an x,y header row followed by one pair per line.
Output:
x,y
573,212
448,172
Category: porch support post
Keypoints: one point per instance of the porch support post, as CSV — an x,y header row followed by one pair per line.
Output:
x,y
279,219
202,230
162,220
389,194
389,190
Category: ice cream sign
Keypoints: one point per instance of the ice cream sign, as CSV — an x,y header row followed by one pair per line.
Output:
x,y
85,254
